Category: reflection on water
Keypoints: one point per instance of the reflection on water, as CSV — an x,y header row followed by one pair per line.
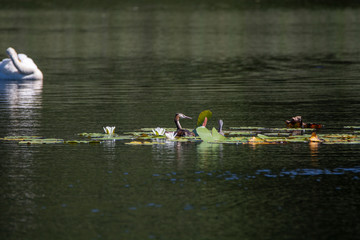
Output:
x,y
21,103
314,152
135,68
208,153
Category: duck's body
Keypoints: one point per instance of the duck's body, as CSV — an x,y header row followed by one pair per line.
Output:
x,y
180,132
19,66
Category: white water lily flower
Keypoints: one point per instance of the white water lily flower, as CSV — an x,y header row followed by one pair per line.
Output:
x,y
158,131
109,130
170,135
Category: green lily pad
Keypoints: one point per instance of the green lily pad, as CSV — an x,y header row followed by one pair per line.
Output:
x,y
141,143
291,129
149,130
217,136
205,134
19,138
42,141
247,128
95,135
202,115
82,142
123,137
241,133
208,136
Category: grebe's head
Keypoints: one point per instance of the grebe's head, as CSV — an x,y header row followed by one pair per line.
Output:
x,y
181,115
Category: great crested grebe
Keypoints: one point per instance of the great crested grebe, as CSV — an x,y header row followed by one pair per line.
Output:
x,y
181,132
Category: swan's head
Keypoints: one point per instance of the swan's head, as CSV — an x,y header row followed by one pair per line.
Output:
x,y
11,52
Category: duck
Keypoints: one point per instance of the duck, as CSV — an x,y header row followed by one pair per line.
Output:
x,y
19,67
180,132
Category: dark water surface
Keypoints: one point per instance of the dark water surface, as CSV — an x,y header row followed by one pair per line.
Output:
x,y
135,68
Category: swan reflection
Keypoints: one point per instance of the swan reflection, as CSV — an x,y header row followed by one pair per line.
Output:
x,y
21,101
20,107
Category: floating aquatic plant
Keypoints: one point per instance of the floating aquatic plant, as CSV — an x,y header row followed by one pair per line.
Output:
x,y
235,135
19,138
170,135
144,143
204,114
79,142
109,130
158,131
42,141
208,136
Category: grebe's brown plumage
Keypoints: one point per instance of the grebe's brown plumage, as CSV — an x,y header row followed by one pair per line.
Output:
x,y
180,132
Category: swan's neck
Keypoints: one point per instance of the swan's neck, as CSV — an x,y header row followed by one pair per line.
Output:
x,y
21,67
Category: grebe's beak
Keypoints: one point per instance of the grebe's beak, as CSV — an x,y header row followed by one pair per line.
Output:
x,y
187,117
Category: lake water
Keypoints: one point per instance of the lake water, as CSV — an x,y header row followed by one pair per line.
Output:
x,y
135,68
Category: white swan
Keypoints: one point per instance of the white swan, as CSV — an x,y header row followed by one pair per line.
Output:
x,y
19,66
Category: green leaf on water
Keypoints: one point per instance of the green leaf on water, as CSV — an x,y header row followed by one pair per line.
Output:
x,y
247,128
205,134
144,143
19,138
217,136
241,133
202,115
42,141
82,142
122,137
208,136
352,127
95,135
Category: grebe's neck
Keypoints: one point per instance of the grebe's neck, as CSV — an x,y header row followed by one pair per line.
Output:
x,y
177,121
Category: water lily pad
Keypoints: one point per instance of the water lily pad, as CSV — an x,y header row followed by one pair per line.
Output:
x,y
247,128
208,136
144,143
217,136
241,133
19,138
205,134
257,140
95,135
42,141
122,137
291,129
202,115
79,142
352,127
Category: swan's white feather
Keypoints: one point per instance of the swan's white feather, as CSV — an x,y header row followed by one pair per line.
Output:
x,y
8,70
